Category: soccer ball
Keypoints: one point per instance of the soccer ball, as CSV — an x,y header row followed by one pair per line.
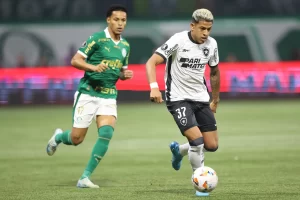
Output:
x,y
204,179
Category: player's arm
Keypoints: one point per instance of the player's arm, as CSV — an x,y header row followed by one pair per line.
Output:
x,y
215,79
215,83
154,60
78,61
160,56
126,74
151,64
85,51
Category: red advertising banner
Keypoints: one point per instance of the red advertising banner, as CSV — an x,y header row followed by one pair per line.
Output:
x,y
275,77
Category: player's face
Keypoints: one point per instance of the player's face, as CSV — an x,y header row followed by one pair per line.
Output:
x,y
201,30
117,22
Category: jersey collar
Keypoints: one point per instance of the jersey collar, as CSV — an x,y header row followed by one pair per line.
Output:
x,y
190,37
108,35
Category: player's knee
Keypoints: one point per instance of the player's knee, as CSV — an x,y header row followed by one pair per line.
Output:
x,y
76,139
211,148
196,144
106,132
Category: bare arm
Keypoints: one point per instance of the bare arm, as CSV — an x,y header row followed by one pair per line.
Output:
x,y
215,83
78,61
151,67
155,94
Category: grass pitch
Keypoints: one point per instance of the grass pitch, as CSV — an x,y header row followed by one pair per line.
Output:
x,y
258,156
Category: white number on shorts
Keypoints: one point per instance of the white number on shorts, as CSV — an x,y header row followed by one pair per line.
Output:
x,y
181,112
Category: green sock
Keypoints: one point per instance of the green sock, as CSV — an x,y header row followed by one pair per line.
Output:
x,y
64,137
105,134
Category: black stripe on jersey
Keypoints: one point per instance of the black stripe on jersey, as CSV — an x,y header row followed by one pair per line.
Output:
x,y
190,37
212,66
169,78
161,55
205,85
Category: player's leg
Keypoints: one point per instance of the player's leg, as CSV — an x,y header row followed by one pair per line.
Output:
x,y
105,118
196,142
195,153
183,114
83,110
176,109
184,148
208,126
196,145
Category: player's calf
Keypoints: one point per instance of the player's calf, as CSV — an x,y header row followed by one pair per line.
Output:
x,y
210,141
105,134
211,146
215,148
195,158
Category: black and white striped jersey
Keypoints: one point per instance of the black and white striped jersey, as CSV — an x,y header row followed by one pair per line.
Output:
x,y
186,61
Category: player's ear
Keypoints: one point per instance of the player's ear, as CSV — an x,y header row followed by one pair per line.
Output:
x,y
108,20
192,26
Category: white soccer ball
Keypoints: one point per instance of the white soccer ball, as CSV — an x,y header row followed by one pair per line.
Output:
x,y
204,179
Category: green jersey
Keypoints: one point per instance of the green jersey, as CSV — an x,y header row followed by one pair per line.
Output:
x,y
100,48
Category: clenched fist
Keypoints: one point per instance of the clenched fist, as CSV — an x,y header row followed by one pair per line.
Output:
x,y
128,74
155,95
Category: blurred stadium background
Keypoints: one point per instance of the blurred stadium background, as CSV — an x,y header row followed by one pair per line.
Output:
x,y
258,117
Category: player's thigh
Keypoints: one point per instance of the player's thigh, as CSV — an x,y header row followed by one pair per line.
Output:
x,y
183,114
104,120
106,113
207,125
84,110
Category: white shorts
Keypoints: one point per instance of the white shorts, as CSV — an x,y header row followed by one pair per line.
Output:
x,y
86,108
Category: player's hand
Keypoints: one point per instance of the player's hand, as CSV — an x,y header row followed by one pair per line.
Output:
x,y
128,74
155,95
213,106
101,67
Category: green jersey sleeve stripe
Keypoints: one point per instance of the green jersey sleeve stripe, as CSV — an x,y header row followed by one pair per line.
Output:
x,y
81,53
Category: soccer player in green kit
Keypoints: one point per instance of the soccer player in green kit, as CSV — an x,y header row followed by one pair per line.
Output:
x,y
104,58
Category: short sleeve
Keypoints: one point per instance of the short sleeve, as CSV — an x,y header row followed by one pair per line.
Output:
x,y
89,46
169,47
214,59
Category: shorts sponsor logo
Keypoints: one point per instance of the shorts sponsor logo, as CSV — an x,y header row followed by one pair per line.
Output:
x,y
183,121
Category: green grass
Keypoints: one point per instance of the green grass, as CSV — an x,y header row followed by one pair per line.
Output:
x,y
258,156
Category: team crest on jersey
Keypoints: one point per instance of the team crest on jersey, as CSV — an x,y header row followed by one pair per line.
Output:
x,y
124,52
205,51
84,44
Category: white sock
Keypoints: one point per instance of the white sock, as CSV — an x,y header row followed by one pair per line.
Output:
x,y
196,156
202,157
184,149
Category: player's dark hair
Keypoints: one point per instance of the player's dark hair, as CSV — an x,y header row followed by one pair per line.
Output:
x,y
115,7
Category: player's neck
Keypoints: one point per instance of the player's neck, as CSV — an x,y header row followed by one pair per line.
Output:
x,y
192,37
113,36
